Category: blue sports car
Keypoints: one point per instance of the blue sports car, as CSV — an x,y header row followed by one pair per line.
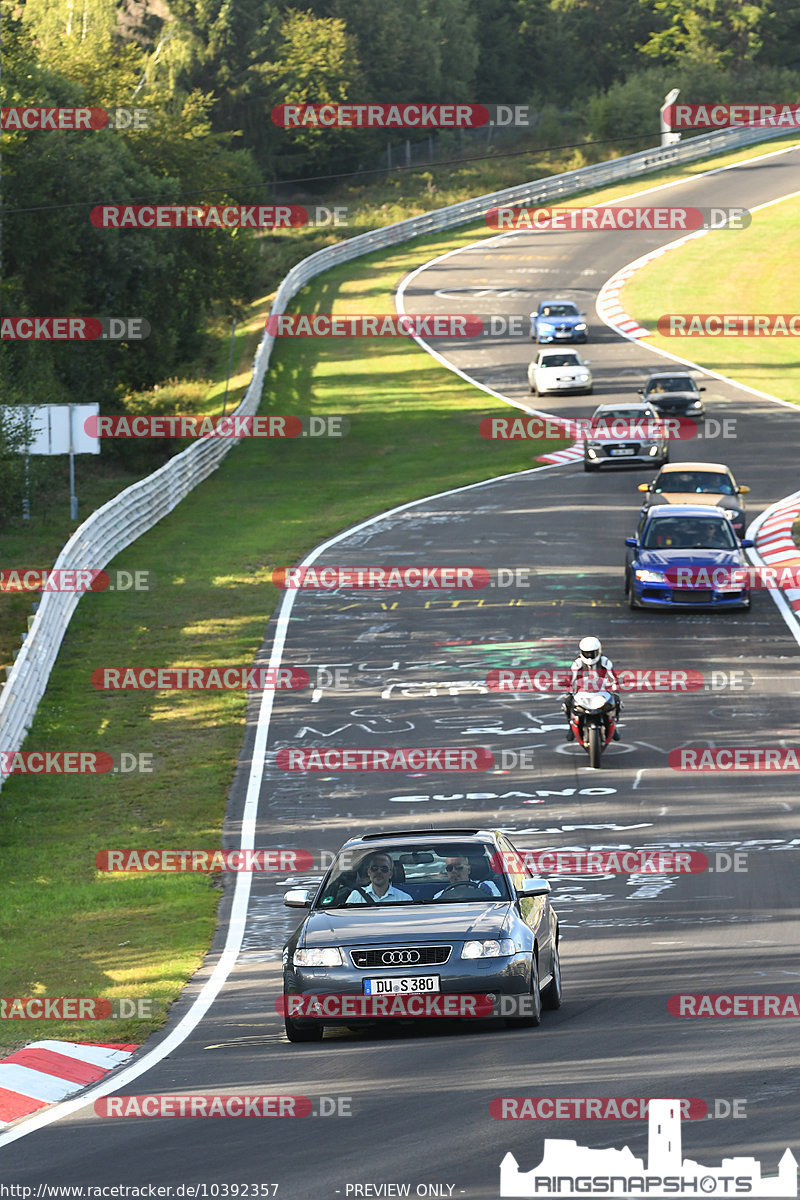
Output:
x,y
558,321
685,556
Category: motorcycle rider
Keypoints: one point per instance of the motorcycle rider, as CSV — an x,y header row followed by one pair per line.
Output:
x,y
591,670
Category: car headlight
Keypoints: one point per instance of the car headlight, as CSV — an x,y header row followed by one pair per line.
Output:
x,y
649,576
696,404
330,956
582,377
491,949
653,449
580,326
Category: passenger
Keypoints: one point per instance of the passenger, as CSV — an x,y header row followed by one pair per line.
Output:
x,y
380,887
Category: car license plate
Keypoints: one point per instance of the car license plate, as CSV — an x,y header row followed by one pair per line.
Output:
x,y
621,451
402,985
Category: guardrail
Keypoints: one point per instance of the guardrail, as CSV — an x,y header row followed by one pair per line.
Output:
x,y
127,516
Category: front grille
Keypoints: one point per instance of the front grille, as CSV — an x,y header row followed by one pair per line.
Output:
x,y
687,596
406,956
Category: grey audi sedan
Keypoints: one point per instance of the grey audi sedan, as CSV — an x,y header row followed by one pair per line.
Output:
x,y
421,923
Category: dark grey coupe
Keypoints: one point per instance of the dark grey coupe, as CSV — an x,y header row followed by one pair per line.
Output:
x,y
445,922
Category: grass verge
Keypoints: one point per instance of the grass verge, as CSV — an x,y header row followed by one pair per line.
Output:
x,y
729,272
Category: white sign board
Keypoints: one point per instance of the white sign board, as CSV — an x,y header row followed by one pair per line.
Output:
x,y
54,428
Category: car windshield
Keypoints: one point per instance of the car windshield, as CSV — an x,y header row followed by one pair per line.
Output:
x,y
559,310
631,415
560,360
695,481
442,872
689,533
672,383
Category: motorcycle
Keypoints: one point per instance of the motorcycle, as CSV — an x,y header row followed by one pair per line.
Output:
x,y
593,720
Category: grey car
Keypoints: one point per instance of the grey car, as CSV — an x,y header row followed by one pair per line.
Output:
x,y
625,434
425,945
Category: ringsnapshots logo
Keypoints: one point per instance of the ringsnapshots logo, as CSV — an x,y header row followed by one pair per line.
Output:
x,y
218,426
73,329
570,1170
214,216
606,218
729,325
721,116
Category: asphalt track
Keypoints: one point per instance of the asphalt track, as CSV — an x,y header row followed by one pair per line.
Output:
x,y
415,663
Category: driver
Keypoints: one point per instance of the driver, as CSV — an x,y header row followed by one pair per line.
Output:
x,y
590,670
380,887
458,869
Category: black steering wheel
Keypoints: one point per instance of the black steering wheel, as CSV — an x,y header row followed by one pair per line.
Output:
x,y
469,886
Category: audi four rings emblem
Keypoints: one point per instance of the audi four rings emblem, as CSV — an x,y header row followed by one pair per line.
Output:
x,y
396,958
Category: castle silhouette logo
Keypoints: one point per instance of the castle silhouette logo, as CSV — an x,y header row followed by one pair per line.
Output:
x,y
568,1169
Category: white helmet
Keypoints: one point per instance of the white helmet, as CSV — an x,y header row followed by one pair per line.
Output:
x,y
590,650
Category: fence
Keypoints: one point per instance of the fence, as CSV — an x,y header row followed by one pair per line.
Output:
x,y
112,528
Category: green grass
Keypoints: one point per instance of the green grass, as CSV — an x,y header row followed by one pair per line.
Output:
x,y
729,271
67,929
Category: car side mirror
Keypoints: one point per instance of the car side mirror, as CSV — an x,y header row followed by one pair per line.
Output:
x,y
534,887
743,490
701,389
746,543
640,391
643,487
298,898
631,542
